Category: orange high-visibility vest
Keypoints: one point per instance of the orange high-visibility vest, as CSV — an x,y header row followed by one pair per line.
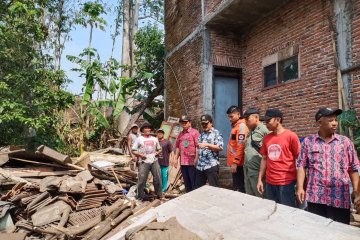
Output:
x,y
236,145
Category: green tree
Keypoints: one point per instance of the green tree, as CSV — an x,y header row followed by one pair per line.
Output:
x,y
91,16
350,125
149,77
30,90
146,87
133,11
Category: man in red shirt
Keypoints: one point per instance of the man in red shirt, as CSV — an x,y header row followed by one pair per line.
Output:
x,y
186,148
280,150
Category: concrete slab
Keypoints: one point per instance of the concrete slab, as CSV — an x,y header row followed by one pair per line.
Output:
x,y
216,213
238,15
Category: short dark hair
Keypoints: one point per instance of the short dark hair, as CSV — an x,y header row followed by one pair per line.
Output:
x,y
233,109
146,125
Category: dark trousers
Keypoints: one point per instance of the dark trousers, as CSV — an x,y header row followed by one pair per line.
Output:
x,y
144,169
238,179
211,175
188,173
283,194
336,214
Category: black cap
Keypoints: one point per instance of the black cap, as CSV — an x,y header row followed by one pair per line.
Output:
x,y
206,118
185,118
273,113
324,112
250,111
233,109
145,125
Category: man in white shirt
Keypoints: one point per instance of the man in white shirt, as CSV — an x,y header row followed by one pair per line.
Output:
x,y
147,148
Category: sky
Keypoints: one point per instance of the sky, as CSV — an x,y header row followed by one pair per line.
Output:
x,y
102,41
79,39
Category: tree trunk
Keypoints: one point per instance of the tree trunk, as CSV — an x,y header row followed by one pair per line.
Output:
x,y
58,46
144,106
90,39
116,34
126,59
130,28
134,29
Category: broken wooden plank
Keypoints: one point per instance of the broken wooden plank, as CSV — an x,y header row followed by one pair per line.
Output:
x,y
89,157
38,163
146,206
4,155
13,236
55,155
108,224
79,229
7,176
45,174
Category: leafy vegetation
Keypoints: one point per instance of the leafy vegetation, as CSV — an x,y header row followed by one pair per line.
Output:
x,y
96,119
35,109
351,124
31,91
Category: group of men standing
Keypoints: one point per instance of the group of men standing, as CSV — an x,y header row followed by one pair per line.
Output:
x,y
265,161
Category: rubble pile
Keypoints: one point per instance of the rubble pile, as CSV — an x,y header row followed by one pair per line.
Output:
x,y
48,195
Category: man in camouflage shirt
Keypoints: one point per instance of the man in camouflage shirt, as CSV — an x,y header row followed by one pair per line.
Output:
x,y
252,150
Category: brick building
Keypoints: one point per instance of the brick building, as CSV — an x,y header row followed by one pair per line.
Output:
x,y
265,54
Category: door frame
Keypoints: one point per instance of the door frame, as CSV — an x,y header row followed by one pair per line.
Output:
x,y
221,71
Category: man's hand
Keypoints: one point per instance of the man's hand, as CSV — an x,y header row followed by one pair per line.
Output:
x,y
356,201
300,194
174,161
260,187
203,145
142,156
233,168
134,158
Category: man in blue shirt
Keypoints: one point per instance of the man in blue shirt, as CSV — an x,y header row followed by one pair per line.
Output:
x,y
209,146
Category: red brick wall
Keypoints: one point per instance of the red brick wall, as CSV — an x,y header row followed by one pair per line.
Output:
x,y
226,49
356,55
304,23
212,5
186,64
181,19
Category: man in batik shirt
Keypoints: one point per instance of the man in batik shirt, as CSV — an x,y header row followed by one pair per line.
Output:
x,y
332,163
209,146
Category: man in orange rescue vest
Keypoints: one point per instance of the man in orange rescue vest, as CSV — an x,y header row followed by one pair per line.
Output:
x,y
236,147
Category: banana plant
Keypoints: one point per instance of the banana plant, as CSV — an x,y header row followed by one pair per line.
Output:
x,y
93,112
